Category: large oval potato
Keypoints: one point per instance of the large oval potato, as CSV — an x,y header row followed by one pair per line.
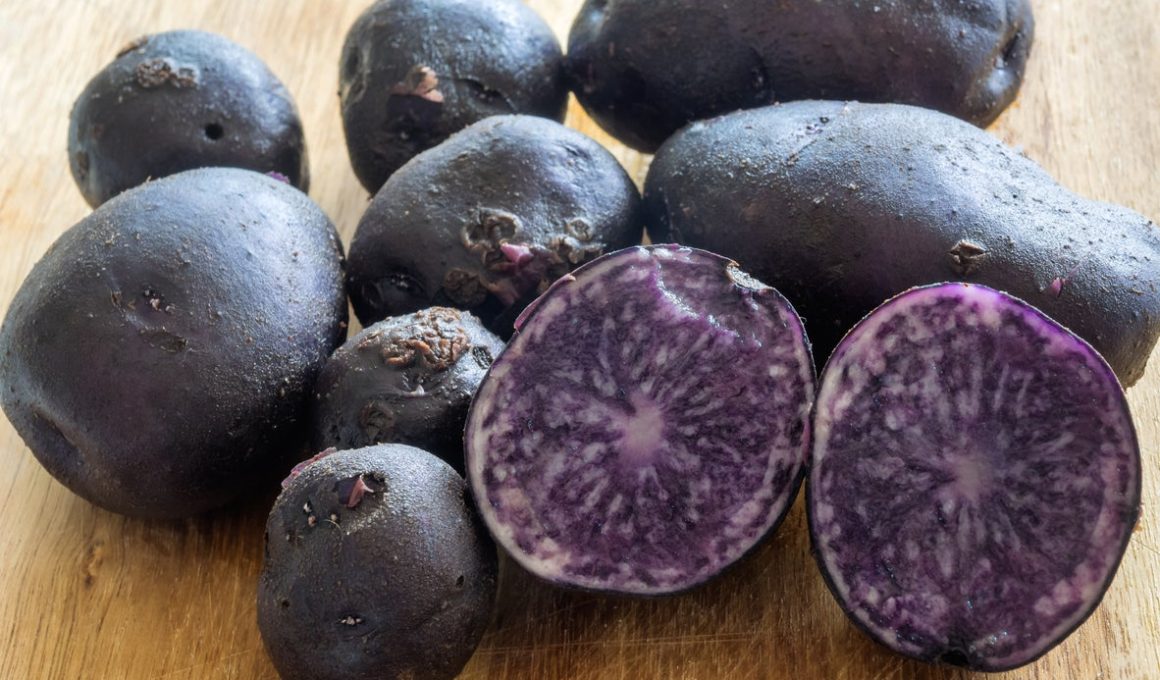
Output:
x,y
162,352
841,206
644,68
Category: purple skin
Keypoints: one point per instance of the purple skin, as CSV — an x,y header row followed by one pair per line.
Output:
x,y
488,220
646,427
376,566
974,480
408,379
181,100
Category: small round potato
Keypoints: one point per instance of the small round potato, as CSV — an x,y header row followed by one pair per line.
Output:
x,y
376,567
408,379
178,101
416,71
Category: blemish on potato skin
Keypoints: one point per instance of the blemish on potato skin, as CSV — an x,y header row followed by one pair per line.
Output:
x,y
967,257
436,338
358,489
422,82
464,288
161,71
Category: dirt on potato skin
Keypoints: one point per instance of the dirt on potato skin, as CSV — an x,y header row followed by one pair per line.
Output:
x,y
408,380
414,72
376,566
844,205
640,67
486,221
177,101
162,352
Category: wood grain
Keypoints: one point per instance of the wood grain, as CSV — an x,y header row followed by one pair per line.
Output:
x,y
87,594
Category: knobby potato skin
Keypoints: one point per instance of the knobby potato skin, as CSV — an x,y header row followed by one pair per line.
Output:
x,y
408,379
414,72
645,68
841,206
395,580
178,101
162,352
487,220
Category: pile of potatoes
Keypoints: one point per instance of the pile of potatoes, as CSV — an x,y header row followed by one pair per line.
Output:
x,y
189,338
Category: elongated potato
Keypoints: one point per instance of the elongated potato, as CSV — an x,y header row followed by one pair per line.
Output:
x,y
644,68
841,206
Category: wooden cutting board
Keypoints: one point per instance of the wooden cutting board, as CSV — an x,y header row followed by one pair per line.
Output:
x,y
88,594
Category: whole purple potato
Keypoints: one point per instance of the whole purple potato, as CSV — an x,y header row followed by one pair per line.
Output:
x,y
841,206
487,220
162,353
376,567
407,379
414,72
177,101
645,68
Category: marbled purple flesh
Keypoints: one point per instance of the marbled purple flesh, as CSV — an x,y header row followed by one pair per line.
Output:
x,y
647,426
974,480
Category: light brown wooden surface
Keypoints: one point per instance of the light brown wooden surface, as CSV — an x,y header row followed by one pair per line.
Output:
x,y
87,594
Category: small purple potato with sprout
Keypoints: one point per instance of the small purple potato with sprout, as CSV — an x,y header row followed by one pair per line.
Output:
x,y
416,71
974,478
408,380
376,567
177,101
647,425
162,352
486,221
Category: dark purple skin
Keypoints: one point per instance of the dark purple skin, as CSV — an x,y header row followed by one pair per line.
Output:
x,y
163,351
486,221
974,478
408,379
376,567
645,68
416,71
842,205
647,426
177,101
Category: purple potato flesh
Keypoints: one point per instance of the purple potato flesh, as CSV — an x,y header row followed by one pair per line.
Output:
x,y
647,425
974,479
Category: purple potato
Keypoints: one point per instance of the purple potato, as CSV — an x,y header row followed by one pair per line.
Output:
x,y
487,220
843,205
408,380
177,101
163,351
416,71
647,425
645,68
376,567
974,478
